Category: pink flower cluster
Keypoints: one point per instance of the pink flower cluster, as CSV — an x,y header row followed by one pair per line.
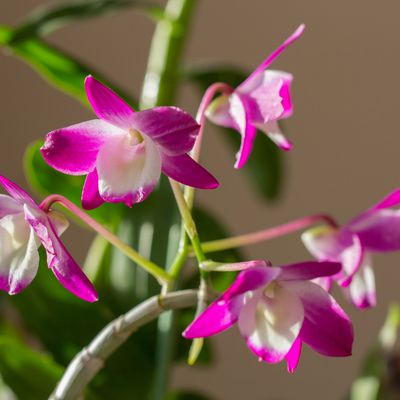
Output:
x,y
122,153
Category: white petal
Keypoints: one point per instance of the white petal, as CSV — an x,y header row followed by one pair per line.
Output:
x,y
128,170
271,322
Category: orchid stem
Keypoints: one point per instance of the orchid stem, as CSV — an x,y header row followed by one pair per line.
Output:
x,y
188,221
92,358
161,275
266,234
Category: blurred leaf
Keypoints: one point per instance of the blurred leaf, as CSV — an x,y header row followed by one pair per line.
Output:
x,y
380,375
50,17
63,71
186,395
29,374
45,180
265,166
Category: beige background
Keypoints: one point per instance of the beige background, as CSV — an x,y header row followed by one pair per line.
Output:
x,y
345,130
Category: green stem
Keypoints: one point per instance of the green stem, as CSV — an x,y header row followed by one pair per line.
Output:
x,y
162,74
159,88
161,275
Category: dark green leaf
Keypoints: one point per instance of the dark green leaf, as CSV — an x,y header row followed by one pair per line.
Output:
x,y
186,395
45,181
63,71
50,17
29,374
265,166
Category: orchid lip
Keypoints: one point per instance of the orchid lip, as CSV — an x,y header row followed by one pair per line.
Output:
x,y
136,136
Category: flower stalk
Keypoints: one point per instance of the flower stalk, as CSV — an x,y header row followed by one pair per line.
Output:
x,y
161,275
266,234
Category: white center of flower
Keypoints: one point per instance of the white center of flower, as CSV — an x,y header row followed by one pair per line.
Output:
x,y
270,290
136,137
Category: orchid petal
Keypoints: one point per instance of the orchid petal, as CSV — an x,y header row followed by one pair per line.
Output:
x,y
59,260
59,222
361,290
73,150
326,327
8,205
19,258
308,270
219,316
242,122
293,356
108,105
170,127
218,112
90,194
250,280
16,192
240,266
379,231
128,171
391,200
270,325
272,130
266,98
326,283
268,61
185,170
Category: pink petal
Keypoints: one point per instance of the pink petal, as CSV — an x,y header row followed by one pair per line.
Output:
x,y
219,316
218,112
267,62
308,270
266,96
361,290
293,357
326,327
248,131
73,150
391,200
128,171
379,231
326,283
285,95
90,194
185,170
17,192
170,127
59,260
250,280
108,105
8,205
271,324
241,266
274,132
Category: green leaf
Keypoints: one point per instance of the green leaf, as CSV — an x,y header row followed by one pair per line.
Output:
x,y
265,166
29,374
45,180
57,67
50,17
186,395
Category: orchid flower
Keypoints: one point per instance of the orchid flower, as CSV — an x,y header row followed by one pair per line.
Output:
x,y
257,103
123,152
376,230
277,309
24,226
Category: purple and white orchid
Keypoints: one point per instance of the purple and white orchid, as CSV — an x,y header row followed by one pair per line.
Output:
x,y
123,152
24,226
257,103
376,230
277,309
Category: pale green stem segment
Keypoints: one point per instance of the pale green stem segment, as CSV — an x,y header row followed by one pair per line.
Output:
x,y
266,234
162,73
160,274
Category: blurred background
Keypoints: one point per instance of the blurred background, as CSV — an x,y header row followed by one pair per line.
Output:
x,y
345,131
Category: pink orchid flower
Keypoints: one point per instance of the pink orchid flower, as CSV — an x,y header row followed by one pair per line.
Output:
x,y
257,103
277,309
376,230
123,152
24,226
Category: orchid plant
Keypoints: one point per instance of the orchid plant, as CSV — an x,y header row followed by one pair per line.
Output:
x,y
130,175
